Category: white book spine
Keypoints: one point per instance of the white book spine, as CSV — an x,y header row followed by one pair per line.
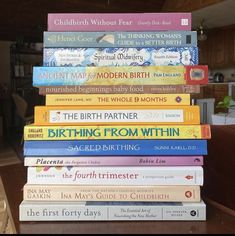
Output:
x,y
81,116
190,175
103,211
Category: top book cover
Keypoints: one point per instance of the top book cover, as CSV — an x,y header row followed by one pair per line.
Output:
x,y
119,21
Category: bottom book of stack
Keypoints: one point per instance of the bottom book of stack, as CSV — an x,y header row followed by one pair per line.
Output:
x,y
111,211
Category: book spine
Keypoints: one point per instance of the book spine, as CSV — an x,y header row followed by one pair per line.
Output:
x,y
120,39
39,132
167,56
114,160
116,175
73,211
128,115
117,99
67,193
119,89
120,75
115,148
119,22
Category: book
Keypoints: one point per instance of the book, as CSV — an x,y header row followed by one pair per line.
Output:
x,y
138,147
119,21
117,99
55,132
129,175
118,89
111,211
65,193
157,56
113,161
120,75
120,39
128,115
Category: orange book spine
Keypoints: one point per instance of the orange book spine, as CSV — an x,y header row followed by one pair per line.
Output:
x,y
117,99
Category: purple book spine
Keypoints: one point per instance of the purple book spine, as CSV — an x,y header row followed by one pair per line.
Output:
x,y
119,21
115,161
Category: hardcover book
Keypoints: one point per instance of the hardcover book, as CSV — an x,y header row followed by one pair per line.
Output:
x,y
119,21
118,89
166,56
65,193
120,39
112,211
113,161
55,132
117,99
138,147
120,75
134,175
127,115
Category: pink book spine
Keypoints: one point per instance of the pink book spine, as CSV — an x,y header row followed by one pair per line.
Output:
x,y
115,161
119,21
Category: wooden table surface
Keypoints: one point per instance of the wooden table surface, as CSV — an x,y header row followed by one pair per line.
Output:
x,y
14,177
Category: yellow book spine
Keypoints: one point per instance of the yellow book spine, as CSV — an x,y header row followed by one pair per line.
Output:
x,y
104,115
36,132
111,193
117,99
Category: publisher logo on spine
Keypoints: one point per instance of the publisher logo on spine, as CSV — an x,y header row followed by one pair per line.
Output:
x,y
184,22
55,116
188,194
193,213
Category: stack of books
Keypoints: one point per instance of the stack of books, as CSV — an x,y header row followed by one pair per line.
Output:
x,y
118,138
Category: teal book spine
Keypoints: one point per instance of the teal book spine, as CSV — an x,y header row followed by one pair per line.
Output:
x,y
120,39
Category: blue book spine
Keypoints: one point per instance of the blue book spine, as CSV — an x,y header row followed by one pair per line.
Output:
x,y
157,56
115,147
120,39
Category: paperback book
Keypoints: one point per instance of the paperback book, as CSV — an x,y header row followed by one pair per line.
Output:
x,y
111,211
116,115
134,175
65,193
157,56
55,132
117,99
119,89
120,39
138,147
120,75
119,21
113,161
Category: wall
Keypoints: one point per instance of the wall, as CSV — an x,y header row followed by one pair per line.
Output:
x,y
5,83
5,62
187,5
